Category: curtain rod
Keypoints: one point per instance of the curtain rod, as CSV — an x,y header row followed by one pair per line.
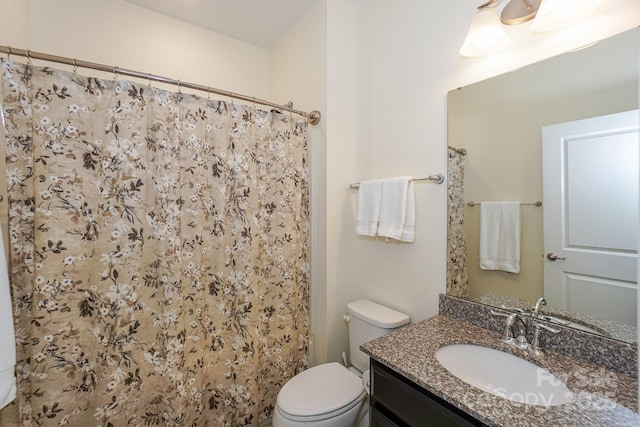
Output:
x,y
313,116
537,203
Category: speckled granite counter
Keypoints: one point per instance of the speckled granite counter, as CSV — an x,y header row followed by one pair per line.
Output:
x,y
602,397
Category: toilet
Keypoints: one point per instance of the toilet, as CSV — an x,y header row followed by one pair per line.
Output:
x,y
331,395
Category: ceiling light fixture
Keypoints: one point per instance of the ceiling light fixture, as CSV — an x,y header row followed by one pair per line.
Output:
x,y
487,35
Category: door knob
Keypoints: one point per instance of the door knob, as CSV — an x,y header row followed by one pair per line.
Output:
x,y
553,257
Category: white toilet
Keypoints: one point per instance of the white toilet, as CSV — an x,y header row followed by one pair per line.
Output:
x,y
330,395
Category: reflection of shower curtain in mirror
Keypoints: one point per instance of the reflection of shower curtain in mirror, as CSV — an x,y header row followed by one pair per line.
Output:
x,y
159,253
457,278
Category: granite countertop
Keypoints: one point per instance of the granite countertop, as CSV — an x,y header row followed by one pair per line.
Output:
x,y
602,397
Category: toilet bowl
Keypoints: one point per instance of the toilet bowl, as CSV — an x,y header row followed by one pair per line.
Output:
x,y
330,395
327,395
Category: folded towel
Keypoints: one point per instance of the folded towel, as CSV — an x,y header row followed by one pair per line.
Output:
x,y
500,236
393,208
408,232
7,336
369,207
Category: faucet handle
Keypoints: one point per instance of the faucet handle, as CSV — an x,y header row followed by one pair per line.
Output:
x,y
500,313
545,327
512,309
534,347
555,320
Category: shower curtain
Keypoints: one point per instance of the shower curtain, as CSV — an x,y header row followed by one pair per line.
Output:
x,y
159,252
457,278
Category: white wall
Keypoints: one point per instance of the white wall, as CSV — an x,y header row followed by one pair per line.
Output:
x,y
342,278
118,33
318,56
299,73
403,63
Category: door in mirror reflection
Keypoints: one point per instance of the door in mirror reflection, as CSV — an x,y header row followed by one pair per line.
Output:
x,y
590,187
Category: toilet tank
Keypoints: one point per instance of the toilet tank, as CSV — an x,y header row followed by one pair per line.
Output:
x,y
369,320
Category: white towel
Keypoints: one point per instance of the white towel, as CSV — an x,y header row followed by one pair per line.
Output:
x,y
7,336
500,236
369,207
393,209
408,231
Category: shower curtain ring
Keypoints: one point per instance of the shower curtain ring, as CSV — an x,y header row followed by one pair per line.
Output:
x,y
115,73
75,66
9,52
28,55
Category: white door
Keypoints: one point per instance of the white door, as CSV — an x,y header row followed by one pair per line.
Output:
x,y
590,193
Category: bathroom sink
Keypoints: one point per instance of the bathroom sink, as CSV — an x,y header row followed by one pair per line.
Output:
x,y
503,374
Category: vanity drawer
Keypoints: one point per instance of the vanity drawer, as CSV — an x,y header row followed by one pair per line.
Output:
x,y
378,419
400,402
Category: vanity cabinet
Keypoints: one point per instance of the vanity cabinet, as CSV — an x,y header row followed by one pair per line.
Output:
x,y
397,401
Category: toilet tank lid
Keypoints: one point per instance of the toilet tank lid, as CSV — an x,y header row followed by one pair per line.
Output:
x,y
376,314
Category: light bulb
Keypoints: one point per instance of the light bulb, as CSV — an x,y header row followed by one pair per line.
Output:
x,y
486,34
557,14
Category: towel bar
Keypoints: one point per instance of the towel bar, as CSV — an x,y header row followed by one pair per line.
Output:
x,y
537,203
438,179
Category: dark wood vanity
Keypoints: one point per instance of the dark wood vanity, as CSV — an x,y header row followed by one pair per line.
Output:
x,y
397,401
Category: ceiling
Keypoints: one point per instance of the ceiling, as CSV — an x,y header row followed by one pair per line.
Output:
x,y
258,22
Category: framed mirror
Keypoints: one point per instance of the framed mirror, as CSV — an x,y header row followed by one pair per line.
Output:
x,y
499,122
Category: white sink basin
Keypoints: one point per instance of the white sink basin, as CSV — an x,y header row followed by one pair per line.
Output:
x,y
504,375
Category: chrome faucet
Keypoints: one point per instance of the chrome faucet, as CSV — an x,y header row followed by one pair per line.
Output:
x,y
520,340
508,336
536,308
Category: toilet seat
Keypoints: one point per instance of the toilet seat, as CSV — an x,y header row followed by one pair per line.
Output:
x,y
321,392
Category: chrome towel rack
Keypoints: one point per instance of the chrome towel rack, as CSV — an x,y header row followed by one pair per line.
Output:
x,y
537,204
437,179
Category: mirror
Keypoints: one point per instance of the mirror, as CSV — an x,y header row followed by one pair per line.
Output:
x,y
499,123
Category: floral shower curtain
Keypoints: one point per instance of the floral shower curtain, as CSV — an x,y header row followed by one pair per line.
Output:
x,y
457,278
159,252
